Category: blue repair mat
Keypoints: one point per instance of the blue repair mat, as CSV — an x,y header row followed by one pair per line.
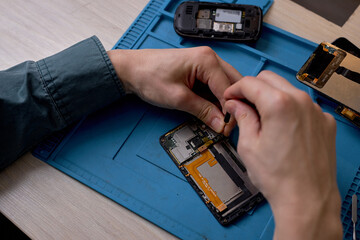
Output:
x,y
116,151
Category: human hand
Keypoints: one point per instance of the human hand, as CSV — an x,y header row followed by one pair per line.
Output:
x,y
288,147
165,78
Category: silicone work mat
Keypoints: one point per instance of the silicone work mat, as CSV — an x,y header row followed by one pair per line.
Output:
x,y
116,151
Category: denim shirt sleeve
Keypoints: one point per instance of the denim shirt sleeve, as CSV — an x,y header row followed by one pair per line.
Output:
x,y
38,98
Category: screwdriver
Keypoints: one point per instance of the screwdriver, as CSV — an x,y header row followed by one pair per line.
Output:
x,y
227,118
354,214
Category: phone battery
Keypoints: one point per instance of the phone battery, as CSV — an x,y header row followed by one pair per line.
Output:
x,y
228,15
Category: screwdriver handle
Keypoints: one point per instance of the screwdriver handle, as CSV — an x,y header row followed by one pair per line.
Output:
x,y
354,231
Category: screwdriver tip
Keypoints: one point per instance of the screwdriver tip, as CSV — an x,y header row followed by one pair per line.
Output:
x,y
227,117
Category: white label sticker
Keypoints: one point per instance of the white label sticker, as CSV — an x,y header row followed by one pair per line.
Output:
x,y
228,15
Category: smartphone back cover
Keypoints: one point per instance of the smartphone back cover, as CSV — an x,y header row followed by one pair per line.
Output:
x,y
116,151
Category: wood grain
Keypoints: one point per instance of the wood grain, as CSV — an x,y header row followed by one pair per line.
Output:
x,y
47,204
294,18
31,30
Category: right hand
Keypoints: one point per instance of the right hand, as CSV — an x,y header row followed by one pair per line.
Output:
x,y
288,147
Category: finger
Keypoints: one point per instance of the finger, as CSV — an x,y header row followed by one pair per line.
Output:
x,y
217,81
254,90
234,76
247,119
229,70
276,81
204,110
209,71
331,131
229,126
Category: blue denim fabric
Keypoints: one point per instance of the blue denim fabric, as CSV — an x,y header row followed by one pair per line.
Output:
x,y
38,98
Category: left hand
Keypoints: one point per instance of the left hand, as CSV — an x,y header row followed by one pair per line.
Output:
x,y
166,77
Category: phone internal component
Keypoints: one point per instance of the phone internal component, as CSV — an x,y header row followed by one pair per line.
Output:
x,y
335,73
351,75
181,149
226,20
203,23
321,65
223,27
205,13
212,179
238,26
349,114
228,15
213,168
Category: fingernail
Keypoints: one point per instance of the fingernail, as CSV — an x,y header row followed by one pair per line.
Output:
x,y
217,124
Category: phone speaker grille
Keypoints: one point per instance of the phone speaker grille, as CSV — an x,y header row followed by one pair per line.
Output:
x,y
189,10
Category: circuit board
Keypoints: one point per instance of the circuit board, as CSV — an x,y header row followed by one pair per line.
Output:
x,y
213,168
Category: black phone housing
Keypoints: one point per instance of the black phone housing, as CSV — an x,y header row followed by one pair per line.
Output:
x,y
192,19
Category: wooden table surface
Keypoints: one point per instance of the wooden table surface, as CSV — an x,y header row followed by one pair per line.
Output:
x,y
42,201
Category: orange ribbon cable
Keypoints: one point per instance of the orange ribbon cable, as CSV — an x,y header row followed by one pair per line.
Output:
x,y
206,157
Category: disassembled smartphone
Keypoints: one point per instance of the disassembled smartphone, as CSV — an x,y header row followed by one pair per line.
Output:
x,y
335,73
219,21
213,168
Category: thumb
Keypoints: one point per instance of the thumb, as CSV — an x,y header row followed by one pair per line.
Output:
x,y
246,117
205,111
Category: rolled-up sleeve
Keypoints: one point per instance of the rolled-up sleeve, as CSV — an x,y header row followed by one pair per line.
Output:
x,y
38,98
